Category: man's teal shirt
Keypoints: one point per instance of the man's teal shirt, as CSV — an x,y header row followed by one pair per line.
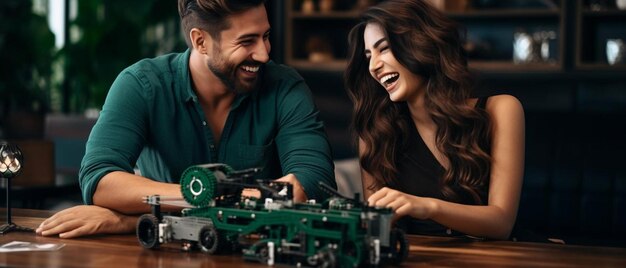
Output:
x,y
152,119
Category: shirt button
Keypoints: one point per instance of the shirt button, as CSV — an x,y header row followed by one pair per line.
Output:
x,y
204,123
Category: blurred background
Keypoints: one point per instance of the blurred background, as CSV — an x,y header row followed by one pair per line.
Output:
x,y
563,59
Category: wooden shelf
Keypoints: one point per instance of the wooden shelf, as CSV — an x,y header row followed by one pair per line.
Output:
x,y
482,66
326,15
335,65
604,13
505,13
510,67
603,67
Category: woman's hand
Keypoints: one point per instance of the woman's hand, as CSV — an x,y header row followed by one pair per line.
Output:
x,y
298,191
86,220
403,204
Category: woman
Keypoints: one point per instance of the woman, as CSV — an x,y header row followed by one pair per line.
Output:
x,y
443,161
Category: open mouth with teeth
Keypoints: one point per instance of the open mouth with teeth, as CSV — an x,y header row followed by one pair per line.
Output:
x,y
389,79
250,69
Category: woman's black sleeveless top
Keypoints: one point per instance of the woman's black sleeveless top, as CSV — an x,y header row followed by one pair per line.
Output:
x,y
420,174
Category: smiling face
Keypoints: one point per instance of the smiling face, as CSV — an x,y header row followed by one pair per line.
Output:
x,y
237,59
400,83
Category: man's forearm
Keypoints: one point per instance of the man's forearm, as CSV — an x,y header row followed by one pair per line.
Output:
x,y
123,192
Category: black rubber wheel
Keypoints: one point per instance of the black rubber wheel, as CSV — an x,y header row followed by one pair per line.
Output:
x,y
399,245
148,231
264,254
209,240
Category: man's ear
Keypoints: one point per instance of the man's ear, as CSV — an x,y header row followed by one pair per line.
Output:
x,y
200,40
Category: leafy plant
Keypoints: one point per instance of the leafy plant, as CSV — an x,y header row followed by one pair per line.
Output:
x,y
26,54
109,35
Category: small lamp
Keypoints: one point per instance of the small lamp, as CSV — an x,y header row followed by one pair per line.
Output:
x,y
11,162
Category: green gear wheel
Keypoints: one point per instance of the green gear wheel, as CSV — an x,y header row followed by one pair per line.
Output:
x,y
198,185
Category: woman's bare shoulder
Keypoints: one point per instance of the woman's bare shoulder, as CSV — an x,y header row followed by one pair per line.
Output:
x,y
503,104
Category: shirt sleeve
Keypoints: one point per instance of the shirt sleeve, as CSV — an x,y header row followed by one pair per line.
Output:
x,y
118,136
302,143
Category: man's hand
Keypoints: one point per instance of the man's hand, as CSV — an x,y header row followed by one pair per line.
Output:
x,y
86,220
298,192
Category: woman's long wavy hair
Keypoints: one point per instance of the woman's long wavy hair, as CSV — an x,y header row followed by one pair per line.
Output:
x,y
428,44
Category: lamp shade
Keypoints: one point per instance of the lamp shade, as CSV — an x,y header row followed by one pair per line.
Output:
x,y
11,160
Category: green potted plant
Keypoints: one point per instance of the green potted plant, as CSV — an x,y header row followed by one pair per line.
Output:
x,y
27,51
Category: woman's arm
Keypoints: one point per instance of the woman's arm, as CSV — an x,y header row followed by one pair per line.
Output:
x,y
496,219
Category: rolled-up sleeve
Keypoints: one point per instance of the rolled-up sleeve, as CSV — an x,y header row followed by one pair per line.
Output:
x,y
301,141
118,136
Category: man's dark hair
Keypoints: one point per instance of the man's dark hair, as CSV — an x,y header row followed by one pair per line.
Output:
x,y
210,15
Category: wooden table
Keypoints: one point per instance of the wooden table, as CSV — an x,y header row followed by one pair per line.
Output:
x,y
125,251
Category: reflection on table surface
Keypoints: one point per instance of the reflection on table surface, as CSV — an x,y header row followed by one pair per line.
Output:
x,y
125,251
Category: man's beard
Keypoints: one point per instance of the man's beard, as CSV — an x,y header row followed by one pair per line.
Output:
x,y
227,73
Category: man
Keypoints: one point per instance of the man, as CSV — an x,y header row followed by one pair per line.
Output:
x,y
220,101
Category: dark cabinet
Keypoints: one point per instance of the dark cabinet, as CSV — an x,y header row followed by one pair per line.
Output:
x,y
316,35
601,28
317,39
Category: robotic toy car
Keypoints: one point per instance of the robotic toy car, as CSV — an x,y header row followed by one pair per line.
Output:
x,y
340,232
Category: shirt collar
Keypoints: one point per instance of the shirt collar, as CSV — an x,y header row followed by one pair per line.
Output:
x,y
184,75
